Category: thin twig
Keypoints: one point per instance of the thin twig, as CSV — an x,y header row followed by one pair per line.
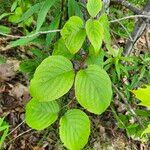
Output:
x,y
29,36
16,127
129,17
18,136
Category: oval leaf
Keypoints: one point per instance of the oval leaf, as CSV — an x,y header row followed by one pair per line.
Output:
x,y
93,89
40,115
95,33
74,129
52,79
73,34
94,6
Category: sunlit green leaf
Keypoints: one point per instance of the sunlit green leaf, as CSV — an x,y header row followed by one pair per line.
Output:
x,y
143,94
52,79
94,6
40,115
93,89
74,129
73,34
95,33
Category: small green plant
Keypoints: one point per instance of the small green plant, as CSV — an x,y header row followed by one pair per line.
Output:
x,y
3,131
56,75
143,94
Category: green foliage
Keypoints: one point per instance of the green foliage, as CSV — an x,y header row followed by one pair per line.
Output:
x,y
54,71
18,8
29,66
40,115
91,86
4,29
75,62
73,34
55,76
43,11
94,6
74,129
61,49
144,95
3,131
95,33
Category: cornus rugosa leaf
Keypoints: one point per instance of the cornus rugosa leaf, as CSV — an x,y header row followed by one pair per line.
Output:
x,y
52,79
40,115
94,6
73,34
74,129
93,89
143,94
95,33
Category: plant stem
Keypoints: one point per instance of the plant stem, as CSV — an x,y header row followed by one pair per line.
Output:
x,y
128,105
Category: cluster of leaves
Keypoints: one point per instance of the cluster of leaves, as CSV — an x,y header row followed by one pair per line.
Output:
x,y
55,76
77,63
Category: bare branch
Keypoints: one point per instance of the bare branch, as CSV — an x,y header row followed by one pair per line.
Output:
x,y
29,36
130,17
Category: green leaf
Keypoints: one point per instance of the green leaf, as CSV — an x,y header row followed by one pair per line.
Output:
x,y
43,12
4,29
74,9
40,115
94,7
34,9
21,42
61,49
54,25
143,94
147,130
105,23
5,15
74,129
95,60
93,89
71,8
95,33
52,79
14,5
73,34
3,130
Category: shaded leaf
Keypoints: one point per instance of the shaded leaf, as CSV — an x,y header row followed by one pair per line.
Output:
x,y
61,49
43,12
